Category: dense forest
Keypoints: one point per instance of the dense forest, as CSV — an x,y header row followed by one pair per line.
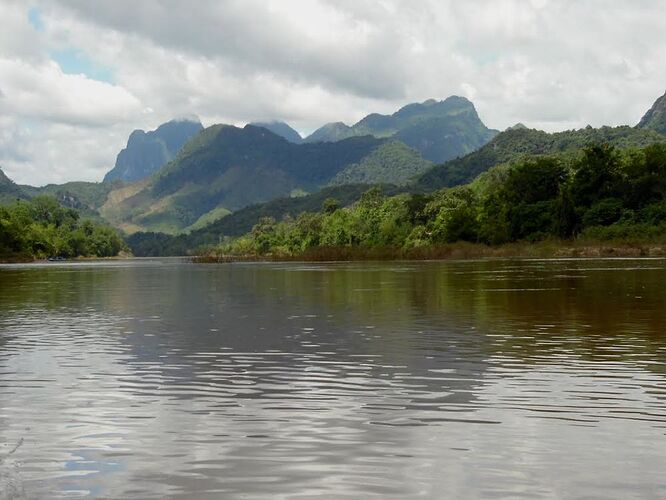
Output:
x,y
602,193
41,228
151,244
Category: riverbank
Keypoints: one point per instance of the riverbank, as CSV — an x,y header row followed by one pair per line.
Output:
x,y
27,259
16,259
455,251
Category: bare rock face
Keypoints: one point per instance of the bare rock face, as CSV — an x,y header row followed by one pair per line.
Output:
x,y
147,152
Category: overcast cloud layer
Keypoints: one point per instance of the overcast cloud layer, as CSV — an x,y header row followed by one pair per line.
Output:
x,y
76,77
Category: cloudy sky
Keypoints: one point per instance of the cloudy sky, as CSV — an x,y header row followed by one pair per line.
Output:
x,y
76,77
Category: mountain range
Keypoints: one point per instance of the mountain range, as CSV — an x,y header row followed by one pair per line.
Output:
x,y
183,178
439,130
225,168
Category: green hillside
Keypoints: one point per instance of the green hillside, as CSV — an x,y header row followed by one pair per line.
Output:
x,y
331,132
9,191
518,142
599,194
228,168
242,221
85,197
391,163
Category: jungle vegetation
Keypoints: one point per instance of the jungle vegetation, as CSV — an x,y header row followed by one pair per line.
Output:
x,y
602,193
42,227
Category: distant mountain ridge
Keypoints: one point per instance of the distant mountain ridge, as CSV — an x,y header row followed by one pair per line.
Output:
x,y
655,118
439,130
147,152
281,129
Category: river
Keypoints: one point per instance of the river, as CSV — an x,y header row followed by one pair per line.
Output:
x,y
474,379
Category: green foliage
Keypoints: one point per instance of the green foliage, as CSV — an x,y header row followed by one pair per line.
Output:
x,y
517,143
627,233
452,215
603,213
535,198
330,205
42,228
226,167
241,222
9,191
391,163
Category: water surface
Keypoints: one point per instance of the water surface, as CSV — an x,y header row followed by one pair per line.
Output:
x,y
495,379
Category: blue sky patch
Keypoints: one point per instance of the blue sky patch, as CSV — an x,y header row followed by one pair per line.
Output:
x,y
35,19
74,61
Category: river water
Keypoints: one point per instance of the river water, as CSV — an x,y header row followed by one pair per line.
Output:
x,y
488,379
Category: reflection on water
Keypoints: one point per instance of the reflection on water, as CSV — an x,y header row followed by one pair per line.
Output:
x,y
530,379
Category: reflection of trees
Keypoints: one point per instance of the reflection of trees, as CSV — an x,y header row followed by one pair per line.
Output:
x,y
420,316
318,336
579,308
168,314
591,309
50,287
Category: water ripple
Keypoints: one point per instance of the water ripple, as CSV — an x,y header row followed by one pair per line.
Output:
x,y
156,380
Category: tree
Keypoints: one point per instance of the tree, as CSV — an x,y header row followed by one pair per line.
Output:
x,y
597,176
330,205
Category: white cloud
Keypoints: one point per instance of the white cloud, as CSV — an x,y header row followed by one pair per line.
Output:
x,y
44,92
553,65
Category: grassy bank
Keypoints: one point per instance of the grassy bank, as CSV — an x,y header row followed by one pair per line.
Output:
x,y
455,251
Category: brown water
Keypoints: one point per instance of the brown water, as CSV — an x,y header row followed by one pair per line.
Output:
x,y
505,379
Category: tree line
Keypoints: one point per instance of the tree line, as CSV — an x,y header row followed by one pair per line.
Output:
x,y
42,228
602,193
